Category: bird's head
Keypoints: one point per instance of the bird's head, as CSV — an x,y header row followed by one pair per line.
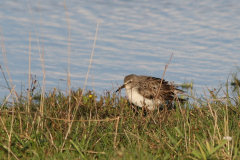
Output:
x,y
127,80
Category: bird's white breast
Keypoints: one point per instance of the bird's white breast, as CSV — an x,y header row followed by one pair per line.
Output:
x,y
139,100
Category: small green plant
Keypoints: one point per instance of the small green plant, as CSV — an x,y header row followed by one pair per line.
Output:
x,y
187,85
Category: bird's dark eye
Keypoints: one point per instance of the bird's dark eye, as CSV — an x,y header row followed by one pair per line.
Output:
x,y
129,81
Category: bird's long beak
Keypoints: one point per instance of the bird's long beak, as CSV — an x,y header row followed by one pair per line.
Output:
x,y
120,87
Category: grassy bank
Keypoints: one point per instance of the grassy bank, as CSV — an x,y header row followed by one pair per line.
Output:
x,y
82,127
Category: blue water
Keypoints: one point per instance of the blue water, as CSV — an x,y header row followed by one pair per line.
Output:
x,y
133,37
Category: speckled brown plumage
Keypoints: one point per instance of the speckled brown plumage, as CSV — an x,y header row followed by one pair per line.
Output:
x,y
146,91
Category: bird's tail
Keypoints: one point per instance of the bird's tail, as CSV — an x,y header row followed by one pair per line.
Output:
x,y
178,91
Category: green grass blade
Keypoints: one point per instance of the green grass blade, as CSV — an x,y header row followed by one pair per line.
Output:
x,y
223,142
76,147
179,132
202,152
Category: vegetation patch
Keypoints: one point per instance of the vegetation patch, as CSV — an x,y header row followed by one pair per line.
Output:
x,y
90,126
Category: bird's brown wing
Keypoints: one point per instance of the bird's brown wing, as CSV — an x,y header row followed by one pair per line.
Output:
x,y
149,88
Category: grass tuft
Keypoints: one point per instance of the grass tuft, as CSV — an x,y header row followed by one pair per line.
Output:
x,y
106,127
